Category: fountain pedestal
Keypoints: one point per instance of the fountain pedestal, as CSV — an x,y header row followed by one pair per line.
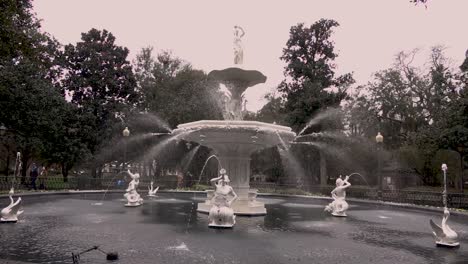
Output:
x,y
233,142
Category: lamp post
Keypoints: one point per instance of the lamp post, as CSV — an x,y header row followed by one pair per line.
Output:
x,y
461,150
125,133
379,139
2,130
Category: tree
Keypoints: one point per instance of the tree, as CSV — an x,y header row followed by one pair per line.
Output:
x,y
30,106
175,93
404,99
173,90
66,143
414,108
419,2
310,83
100,81
271,112
28,60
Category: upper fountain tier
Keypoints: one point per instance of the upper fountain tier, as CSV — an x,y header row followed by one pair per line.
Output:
x,y
236,80
242,135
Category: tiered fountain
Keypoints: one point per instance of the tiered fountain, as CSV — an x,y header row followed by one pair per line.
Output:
x,y
234,140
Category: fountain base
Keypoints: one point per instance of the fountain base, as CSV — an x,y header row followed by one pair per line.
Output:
x,y
8,221
220,226
132,204
339,214
450,245
246,204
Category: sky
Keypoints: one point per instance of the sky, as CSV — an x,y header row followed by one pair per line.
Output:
x,y
370,34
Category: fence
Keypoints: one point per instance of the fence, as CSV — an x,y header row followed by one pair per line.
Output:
x,y
433,198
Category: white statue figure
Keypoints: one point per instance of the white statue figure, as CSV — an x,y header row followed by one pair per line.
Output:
x,y
152,192
238,50
11,212
133,198
339,206
445,236
221,213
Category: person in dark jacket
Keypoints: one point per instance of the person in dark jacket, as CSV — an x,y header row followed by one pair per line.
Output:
x,y
33,176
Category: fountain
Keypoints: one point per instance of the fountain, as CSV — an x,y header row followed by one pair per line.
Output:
x,y
234,140
444,235
339,206
133,198
152,192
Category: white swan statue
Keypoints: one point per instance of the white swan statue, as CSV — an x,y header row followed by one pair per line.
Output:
x,y
445,236
10,213
152,192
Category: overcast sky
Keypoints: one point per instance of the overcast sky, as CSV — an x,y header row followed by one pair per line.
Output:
x,y
371,32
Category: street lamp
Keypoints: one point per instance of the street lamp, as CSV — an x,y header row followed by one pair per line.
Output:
x,y
461,150
2,133
2,130
125,133
379,139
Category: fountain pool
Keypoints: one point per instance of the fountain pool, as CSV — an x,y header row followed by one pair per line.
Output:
x,y
168,230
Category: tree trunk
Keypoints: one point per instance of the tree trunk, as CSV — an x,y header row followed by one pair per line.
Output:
x,y
323,169
65,170
7,169
93,171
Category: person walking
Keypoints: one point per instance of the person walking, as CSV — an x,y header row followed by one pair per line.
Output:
x,y
33,177
42,178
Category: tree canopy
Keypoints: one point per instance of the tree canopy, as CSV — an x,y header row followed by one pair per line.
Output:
x,y
310,82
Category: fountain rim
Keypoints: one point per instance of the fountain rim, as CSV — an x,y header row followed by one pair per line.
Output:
x,y
241,124
313,197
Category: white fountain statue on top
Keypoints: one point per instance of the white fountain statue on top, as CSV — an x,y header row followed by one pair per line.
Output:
x,y
238,49
151,191
444,235
10,213
221,214
133,198
339,206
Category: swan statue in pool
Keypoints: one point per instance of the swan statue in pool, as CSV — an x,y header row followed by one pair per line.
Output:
x,y
10,213
151,191
445,236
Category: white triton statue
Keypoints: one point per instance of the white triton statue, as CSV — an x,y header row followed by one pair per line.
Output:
x,y
445,236
238,50
152,192
10,213
339,206
133,198
221,213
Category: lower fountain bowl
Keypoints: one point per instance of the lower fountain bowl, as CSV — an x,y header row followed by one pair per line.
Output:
x,y
169,230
